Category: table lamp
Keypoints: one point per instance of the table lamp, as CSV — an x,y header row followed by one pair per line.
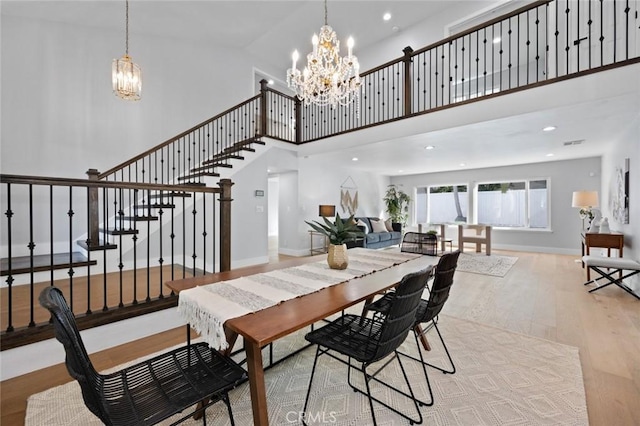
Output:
x,y
585,201
326,210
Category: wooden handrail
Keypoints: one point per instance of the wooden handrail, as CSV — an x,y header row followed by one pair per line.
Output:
x,y
175,138
56,181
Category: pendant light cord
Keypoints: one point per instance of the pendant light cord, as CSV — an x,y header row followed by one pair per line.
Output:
x,y
326,20
126,43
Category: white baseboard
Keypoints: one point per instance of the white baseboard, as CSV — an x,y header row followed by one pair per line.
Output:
x,y
235,264
293,252
535,249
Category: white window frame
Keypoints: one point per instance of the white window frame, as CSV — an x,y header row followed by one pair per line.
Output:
x,y
527,198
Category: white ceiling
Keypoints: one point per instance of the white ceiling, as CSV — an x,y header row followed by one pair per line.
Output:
x,y
271,30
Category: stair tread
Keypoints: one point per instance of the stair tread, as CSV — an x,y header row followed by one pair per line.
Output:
x,y
155,206
42,262
140,217
119,231
102,245
179,194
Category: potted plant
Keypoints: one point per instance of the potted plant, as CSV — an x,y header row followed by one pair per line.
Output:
x,y
397,203
338,232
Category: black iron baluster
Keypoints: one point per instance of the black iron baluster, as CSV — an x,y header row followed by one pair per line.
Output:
x,y
462,70
528,50
10,279
567,37
517,55
477,63
615,30
484,48
135,251
71,272
148,222
626,27
161,259
194,212
204,233
31,247
510,66
577,42
184,238
449,72
89,244
51,272
589,23
105,221
120,264
537,45
455,73
601,33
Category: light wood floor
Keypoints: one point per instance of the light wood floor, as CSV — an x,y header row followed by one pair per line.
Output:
x,y
541,296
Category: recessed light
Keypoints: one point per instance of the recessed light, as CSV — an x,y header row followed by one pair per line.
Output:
x,y
429,147
386,16
550,154
462,164
395,28
496,40
270,82
549,129
400,171
354,159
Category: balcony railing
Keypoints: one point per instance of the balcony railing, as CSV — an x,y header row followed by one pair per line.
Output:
x,y
149,234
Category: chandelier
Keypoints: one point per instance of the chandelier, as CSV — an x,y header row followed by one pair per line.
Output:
x,y
327,79
126,76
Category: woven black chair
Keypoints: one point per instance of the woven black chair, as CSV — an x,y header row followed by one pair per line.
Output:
x,y
150,391
368,340
427,313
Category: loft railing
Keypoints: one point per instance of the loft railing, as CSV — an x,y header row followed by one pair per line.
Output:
x,y
150,234
540,43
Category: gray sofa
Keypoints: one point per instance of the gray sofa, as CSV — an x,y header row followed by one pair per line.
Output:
x,y
379,239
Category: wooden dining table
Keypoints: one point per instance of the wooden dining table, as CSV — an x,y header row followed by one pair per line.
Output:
x,y
268,325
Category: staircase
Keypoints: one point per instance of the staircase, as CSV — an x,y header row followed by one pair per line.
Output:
x,y
159,205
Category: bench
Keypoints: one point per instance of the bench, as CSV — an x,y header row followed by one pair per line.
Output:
x,y
613,265
481,234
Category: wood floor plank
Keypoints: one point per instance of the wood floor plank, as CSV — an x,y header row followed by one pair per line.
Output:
x,y
542,296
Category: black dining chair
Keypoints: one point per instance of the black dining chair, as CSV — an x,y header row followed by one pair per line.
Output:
x,y
368,340
427,313
150,391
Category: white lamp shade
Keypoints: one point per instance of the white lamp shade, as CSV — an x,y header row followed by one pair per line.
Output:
x,y
585,199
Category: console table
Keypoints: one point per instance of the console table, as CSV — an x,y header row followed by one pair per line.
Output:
x,y
608,241
318,250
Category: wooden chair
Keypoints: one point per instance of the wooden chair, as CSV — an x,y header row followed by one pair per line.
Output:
x,y
368,340
480,234
150,391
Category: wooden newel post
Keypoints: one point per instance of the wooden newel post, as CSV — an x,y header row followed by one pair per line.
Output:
x,y
298,106
408,52
225,224
263,107
94,210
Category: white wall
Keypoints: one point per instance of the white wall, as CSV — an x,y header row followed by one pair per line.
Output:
x,y
59,116
565,177
626,145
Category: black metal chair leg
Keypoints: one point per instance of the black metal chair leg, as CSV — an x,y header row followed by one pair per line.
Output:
x,y
228,404
369,397
306,399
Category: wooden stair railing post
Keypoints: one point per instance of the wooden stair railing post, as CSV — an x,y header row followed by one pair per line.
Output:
x,y
94,212
263,107
225,224
408,52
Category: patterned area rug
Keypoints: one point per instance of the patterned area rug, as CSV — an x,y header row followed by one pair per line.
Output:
x,y
494,265
503,378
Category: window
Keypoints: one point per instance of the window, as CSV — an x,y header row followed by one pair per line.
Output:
x,y
519,204
448,203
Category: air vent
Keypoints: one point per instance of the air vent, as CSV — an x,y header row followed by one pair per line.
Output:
x,y
577,142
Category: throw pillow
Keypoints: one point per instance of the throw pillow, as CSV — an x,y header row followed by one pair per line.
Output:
x,y
388,225
378,226
364,225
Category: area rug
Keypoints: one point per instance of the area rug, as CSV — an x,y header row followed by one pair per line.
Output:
x,y
502,378
494,265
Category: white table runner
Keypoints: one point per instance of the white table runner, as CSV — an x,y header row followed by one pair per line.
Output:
x,y
207,307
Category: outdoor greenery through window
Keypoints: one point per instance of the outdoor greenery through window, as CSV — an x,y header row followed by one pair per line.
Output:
x,y
442,204
519,204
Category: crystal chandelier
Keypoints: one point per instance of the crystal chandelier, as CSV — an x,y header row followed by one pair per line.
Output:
x,y
126,76
327,79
